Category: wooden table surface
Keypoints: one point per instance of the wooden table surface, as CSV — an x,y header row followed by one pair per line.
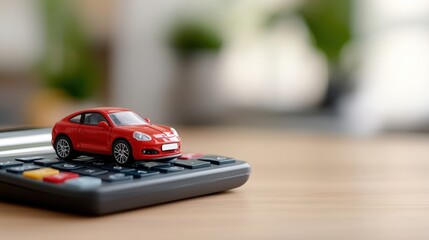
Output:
x,y
302,186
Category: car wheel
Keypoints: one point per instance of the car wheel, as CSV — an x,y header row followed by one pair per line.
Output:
x,y
64,148
122,153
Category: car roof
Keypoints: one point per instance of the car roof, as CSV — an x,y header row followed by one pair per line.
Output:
x,y
106,110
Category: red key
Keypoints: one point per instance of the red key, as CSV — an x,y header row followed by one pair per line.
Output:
x,y
60,177
188,156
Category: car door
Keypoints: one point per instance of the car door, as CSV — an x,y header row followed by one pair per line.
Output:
x,y
93,138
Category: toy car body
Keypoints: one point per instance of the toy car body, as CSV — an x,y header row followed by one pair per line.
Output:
x,y
118,132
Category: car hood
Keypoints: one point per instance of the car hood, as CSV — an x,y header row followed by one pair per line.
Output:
x,y
150,129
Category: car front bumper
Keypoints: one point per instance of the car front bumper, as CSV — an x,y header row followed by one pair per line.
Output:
x,y
154,151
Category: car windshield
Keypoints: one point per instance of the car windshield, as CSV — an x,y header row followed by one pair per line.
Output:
x,y
126,118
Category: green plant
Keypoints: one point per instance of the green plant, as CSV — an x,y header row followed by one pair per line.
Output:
x,y
67,62
188,37
329,23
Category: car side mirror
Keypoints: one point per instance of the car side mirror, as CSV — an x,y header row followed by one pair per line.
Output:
x,y
103,124
147,120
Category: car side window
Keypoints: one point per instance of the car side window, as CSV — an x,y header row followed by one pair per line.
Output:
x,y
76,119
93,118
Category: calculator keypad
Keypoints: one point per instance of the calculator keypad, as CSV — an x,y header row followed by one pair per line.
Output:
x,y
88,172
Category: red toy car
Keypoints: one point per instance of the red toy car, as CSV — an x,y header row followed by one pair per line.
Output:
x,y
114,131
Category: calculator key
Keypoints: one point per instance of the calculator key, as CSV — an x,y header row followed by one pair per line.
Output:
x,y
187,156
83,159
115,177
83,182
143,173
88,171
22,169
46,162
9,164
116,168
97,163
39,174
151,165
170,161
60,177
28,159
192,164
67,166
169,169
218,160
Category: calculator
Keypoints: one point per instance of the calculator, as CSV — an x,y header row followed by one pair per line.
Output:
x,y
31,173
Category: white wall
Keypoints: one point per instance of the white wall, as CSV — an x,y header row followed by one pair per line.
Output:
x,y
393,75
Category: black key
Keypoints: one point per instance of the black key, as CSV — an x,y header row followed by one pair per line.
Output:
x,y
142,173
116,168
67,166
47,162
83,158
97,163
29,159
114,177
9,164
89,171
218,160
151,165
192,164
170,161
169,169
22,169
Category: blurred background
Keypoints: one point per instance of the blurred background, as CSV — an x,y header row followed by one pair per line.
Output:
x,y
360,67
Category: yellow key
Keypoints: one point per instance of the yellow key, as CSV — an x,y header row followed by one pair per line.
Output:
x,y
39,174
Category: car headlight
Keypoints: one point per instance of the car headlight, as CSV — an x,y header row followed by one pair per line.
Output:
x,y
174,131
141,136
